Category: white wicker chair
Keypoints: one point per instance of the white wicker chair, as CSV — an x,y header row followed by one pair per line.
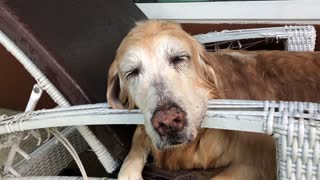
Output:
x,y
295,125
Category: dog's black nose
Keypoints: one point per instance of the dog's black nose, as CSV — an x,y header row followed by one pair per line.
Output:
x,y
168,119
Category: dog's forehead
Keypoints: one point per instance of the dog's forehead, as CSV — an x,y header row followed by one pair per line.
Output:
x,y
169,43
132,56
153,48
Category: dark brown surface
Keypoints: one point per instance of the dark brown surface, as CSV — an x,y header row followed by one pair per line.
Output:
x,y
73,43
16,84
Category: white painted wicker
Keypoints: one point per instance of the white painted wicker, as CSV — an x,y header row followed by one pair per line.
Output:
x,y
102,153
295,125
301,38
52,157
297,129
297,38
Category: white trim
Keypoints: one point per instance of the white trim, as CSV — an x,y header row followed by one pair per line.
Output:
x,y
236,11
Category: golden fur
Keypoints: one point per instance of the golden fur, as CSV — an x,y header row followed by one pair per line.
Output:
x,y
260,75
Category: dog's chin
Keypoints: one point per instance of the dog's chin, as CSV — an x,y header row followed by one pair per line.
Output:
x,y
171,142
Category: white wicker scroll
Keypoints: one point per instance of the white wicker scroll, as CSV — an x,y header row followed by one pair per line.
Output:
x,y
295,125
297,38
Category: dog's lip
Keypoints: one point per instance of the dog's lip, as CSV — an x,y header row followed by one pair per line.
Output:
x,y
170,146
167,144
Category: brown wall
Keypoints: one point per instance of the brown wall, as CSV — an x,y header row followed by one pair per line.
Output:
x,y
16,84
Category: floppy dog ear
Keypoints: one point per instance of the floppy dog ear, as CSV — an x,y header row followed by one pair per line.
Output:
x,y
205,67
113,88
207,70
117,96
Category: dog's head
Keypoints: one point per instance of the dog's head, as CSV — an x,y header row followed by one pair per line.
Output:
x,y
163,71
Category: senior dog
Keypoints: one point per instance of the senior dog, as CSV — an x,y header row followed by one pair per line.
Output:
x,y
169,76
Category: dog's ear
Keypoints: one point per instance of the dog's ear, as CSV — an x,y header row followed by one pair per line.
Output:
x,y
117,96
205,67
113,88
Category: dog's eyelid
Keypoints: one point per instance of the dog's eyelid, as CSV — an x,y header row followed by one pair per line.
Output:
x,y
132,69
132,72
187,56
182,54
179,58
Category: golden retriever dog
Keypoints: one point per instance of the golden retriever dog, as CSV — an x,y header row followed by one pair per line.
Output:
x,y
169,76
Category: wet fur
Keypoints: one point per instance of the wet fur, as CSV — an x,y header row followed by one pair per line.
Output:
x,y
259,75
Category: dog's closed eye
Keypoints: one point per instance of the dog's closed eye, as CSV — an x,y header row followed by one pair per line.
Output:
x,y
132,73
176,59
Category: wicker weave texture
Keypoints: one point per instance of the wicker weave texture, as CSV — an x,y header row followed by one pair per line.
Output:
x,y
297,38
296,126
301,38
52,157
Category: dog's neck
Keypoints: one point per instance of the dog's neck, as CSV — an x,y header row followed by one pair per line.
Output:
x,y
238,77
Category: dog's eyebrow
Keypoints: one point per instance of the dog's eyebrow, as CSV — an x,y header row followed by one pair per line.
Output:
x,y
176,52
131,60
173,53
129,66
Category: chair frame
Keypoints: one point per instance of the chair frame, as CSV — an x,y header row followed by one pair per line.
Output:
x,y
297,132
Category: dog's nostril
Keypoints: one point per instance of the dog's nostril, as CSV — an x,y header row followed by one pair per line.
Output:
x,y
161,125
177,120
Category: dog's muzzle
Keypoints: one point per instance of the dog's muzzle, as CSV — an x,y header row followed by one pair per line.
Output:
x,y
169,120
